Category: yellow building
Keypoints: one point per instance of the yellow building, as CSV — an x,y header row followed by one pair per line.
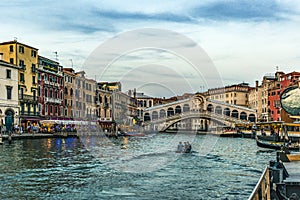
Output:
x,y
234,94
26,57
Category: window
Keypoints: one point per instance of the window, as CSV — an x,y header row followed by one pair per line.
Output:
x,y
39,91
22,92
46,92
21,49
39,76
8,90
33,68
11,48
11,61
22,79
33,80
34,95
8,73
66,102
33,53
22,108
21,64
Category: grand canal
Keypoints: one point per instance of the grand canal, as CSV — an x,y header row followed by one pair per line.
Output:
x,y
69,169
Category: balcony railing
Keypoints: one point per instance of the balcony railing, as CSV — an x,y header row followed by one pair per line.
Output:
x,y
52,100
27,98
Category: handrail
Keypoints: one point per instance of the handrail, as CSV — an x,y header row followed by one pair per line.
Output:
x,y
262,189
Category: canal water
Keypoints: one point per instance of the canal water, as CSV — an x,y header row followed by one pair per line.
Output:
x,y
134,168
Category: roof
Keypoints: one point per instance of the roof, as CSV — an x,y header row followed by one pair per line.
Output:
x,y
16,42
141,95
6,64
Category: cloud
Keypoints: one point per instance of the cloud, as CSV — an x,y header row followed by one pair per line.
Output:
x,y
140,16
239,10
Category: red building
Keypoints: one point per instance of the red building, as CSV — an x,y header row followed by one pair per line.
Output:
x,y
276,88
50,89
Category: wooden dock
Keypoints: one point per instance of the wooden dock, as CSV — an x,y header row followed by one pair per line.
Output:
x,y
292,182
280,179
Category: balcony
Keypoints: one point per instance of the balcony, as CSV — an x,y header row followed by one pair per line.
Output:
x,y
106,105
27,98
46,82
23,67
52,100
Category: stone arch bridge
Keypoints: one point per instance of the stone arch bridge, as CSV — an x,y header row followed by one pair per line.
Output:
x,y
196,113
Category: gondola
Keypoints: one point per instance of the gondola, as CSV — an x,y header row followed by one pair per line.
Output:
x,y
275,145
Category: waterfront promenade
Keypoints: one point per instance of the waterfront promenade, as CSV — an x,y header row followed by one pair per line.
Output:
x,y
38,135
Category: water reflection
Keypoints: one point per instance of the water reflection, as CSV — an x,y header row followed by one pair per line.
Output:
x,y
64,169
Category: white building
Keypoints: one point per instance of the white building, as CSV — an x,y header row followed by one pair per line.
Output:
x,y
9,99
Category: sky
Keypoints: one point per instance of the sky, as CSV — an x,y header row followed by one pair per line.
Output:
x,y
154,45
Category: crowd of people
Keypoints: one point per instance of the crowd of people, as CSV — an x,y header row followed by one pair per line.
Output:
x,y
38,128
186,147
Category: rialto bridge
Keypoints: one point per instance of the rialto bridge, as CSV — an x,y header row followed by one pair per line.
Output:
x,y
196,113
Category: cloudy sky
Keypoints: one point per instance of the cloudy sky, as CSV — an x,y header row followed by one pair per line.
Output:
x,y
244,39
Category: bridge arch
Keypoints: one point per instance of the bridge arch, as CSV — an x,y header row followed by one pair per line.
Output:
x,y
162,113
210,108
218,110
252,118
154,115
170,112
178,109
243,116
235,114
226,112
186,108
147,117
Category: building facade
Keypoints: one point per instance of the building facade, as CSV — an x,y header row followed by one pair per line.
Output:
x,y
50,89
143,102
9,99
69,97
234,94
104,106
276,88
26,57
85,94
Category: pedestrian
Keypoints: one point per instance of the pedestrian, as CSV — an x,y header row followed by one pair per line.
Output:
x,y
180,147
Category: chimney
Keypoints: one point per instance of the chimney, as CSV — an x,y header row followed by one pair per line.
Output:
x,y
256,84
134,93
